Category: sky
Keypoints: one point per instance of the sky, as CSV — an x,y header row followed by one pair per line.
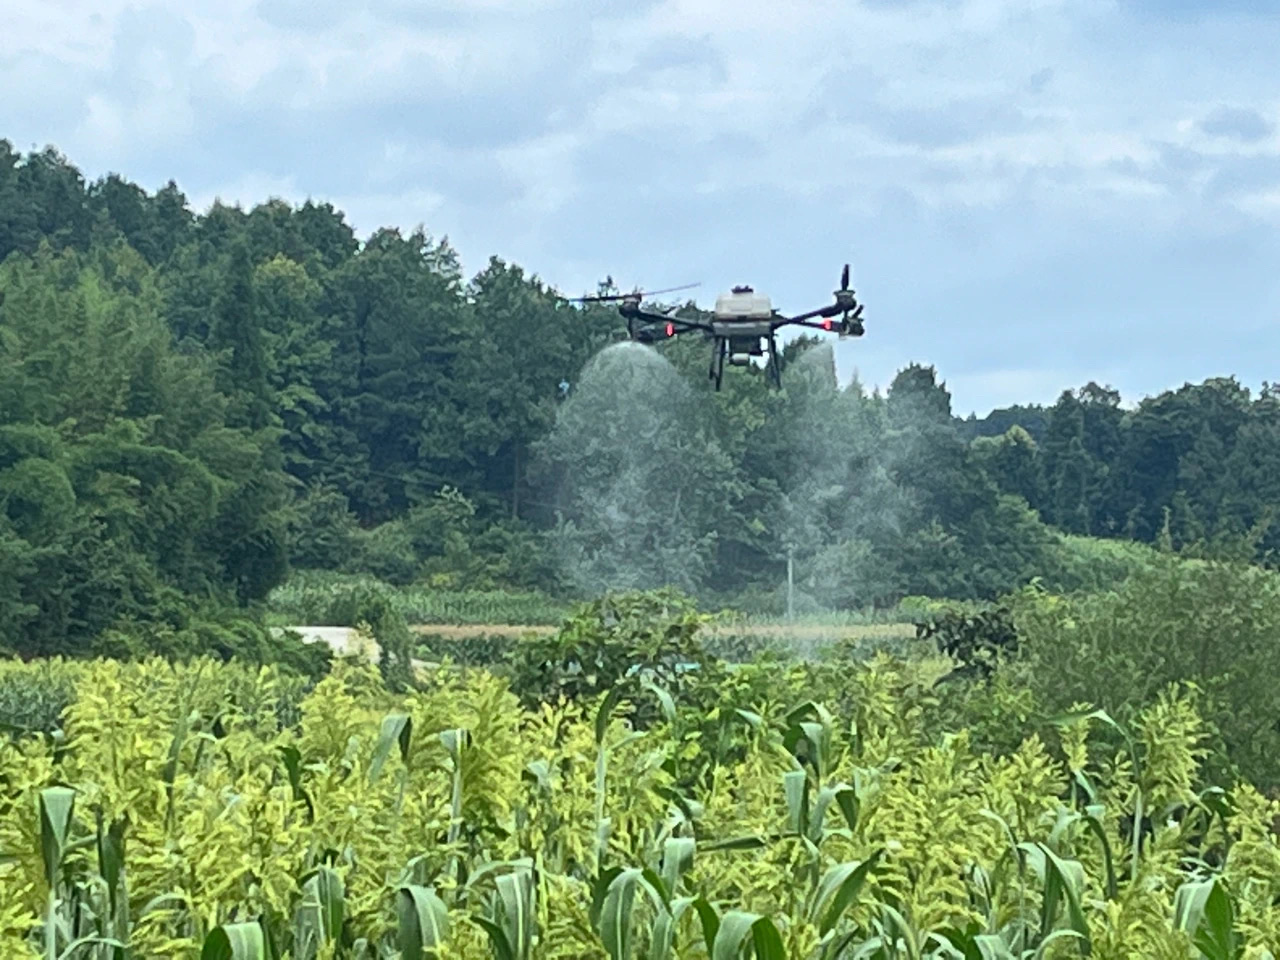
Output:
x,y
1033,194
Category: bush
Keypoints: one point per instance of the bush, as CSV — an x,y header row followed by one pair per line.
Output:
x,y
978,639
213,631
1215,624
476,650
617,640
324,533
322,598
372,606
1091,564
385,552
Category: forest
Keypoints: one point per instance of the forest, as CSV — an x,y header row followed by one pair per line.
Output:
x,y
193,405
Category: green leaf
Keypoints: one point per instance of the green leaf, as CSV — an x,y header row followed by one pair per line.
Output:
x,y
839,888
796,785
735,929
1047,942
75,945
605,712
677,859
235,941
455,741
1060,878
710,921
498,938
423,922
992,947
664,928
1215,935
292,758
111,858
56,805
665,699
615,916
733,843
330,894
397,728
844,797
600,890
515,913
1189,902
1094,824
614,911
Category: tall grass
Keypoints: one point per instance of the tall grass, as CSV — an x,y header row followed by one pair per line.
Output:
x,y
309,597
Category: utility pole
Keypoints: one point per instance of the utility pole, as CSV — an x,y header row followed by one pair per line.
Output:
x,y
791,583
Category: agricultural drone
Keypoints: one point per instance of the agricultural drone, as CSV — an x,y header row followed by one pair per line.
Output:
x,y
743,325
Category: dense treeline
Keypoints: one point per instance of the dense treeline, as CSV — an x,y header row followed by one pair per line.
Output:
x,y
190,404
1200,462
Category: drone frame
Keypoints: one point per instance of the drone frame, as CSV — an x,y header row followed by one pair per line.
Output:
x,y
646,326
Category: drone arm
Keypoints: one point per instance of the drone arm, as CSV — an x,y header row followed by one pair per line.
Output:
x,y
852,323
681,324
803,318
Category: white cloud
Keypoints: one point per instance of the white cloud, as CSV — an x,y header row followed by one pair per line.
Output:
x,y
981,161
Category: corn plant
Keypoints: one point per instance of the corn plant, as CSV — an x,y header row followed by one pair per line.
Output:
x,y
176,816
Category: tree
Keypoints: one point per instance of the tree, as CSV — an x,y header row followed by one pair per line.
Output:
x,y
236,336
124,486
1012,461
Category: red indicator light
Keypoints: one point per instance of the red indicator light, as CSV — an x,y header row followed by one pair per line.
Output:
x,y
671,329
826,324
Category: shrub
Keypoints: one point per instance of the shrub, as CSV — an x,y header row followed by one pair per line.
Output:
x,y
1215,624
226,633
616,640
978,639
1092,564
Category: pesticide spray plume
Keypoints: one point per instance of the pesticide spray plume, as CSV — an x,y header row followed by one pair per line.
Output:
x,y
645,493
629,477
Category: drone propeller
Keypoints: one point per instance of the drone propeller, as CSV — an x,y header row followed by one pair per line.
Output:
x,y
846,307
633,295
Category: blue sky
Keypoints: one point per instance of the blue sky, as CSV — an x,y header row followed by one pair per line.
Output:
x,y
1033,193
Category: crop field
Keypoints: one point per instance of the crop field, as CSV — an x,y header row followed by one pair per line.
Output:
x,y
804,811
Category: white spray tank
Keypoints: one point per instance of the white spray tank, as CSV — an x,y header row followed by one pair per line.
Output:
x,y
743,303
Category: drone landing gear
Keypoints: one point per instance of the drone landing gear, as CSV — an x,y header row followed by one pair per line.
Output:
x,y
718,351
775,368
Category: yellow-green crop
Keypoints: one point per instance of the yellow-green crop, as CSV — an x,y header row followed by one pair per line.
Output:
x,y
181,812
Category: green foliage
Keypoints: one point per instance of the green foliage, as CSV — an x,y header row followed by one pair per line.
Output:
x,y
977,639
223,632
122,480
1212,623
613,643
319,598
192,404
178,817
33,700
1092,564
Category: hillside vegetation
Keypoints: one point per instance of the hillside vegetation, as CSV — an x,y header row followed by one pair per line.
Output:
x,y
195,405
